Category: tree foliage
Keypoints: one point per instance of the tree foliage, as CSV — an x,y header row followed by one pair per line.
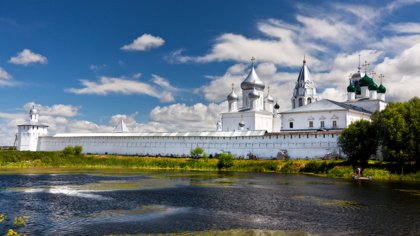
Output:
x,y
398,128
78,149
225,161
68,150
197,152
359,142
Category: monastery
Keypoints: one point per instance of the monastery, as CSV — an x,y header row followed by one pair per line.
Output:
x,y
257,129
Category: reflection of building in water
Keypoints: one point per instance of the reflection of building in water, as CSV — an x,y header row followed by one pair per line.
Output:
x,y
309,129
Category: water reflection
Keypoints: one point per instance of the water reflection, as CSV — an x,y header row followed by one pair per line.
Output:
x,y
68,201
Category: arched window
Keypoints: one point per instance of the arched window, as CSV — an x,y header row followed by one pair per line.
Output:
x,y
309,100
300,102
294,103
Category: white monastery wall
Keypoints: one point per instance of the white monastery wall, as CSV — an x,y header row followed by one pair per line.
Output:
x,y
302,145
301,120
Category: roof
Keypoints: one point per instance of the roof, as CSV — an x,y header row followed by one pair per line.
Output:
x,y
248,83
326,105
121,128
33,123
237,133
304,132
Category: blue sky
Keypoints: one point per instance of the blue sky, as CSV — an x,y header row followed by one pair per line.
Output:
x,y
82,63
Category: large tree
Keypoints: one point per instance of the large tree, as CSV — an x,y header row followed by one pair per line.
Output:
x,y
359,142
398,128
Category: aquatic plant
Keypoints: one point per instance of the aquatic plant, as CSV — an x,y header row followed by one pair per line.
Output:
x,y
2,217
21,220
13,233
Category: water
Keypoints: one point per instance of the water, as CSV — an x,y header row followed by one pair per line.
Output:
x,y
118,201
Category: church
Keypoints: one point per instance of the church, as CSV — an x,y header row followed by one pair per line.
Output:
x,y
257,129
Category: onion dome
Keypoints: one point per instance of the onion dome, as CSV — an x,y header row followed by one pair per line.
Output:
x,y
248,83
351,88
242,123
33,111
359,91
365,81
277,106
373,86
232,96
381,89
254,94
268,98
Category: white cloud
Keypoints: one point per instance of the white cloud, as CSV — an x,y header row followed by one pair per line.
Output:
x,y
108,85
54,110
404,27
143,43
4,74
27,57
136,76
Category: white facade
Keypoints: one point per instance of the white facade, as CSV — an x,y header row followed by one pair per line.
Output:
x,y
29,132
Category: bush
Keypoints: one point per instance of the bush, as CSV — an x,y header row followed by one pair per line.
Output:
x,y
311,166
11,148
340,171
68,150
225,161
196,153
78,149
288,168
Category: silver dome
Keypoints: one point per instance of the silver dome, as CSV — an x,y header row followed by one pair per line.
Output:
x,y
248,83
254,94
33,111
232,96
242,124
269,99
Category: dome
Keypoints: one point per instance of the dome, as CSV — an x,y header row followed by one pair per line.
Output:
x,y
381,89
356,76
359,91
351,88
242,124
365,81
33,111
254,94
269,99
373,86
248,83
232,96
277,106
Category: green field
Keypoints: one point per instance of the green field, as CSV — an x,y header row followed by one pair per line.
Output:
x,y
333,169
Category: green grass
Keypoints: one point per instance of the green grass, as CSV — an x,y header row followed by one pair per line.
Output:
x,y
333,169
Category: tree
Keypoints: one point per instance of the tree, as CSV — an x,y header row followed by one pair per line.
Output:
x,y
196,153
78,149
398,126
225,161
68,150
359,142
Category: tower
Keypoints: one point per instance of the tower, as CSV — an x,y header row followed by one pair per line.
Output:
x,y
268,102
29,132
233,100
304,91
249,86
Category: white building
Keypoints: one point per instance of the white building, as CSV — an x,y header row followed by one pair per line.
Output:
x,y
310,129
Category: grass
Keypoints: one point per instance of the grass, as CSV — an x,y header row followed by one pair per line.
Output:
x,y
232,232
332,169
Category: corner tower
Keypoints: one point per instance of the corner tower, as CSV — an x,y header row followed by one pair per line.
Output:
x,y
305,91
29,132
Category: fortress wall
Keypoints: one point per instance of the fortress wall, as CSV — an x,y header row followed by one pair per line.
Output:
x,y
266,146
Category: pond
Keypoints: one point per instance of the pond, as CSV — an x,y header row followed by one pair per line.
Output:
x,y
69,201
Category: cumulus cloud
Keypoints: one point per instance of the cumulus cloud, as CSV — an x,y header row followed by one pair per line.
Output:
x,y
27,57
143,43
108,85
4,74
54,110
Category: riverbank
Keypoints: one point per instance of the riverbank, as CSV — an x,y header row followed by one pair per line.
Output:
x,y
329,168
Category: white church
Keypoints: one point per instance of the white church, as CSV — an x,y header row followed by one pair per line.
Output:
x,y
258,129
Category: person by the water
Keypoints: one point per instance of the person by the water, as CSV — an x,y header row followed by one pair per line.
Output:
x,y
359,171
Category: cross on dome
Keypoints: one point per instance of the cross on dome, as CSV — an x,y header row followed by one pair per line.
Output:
x,y
254,83
233,85
252,59
372,74
381,77
351,77
366,66
304,58
268,88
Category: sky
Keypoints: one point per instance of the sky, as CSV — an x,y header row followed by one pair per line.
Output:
x,y
169,65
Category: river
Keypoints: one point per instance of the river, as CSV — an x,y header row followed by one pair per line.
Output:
x,y
69,201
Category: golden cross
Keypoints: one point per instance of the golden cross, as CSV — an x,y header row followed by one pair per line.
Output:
x,y
381,77
268,88
351,77
254,83
304,58
252,59
366,66
242,117
372,74
233,85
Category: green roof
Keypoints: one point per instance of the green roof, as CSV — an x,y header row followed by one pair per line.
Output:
x,y
365,81
381,89
373,86
351,88
359,91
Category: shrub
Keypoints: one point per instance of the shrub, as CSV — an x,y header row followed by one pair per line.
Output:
x,y
78,149
196,153
68,150
225,161
311,166
340,171
288,168
272,166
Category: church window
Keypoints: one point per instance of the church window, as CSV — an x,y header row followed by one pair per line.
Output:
x,y
316,136
307,136
299,135
322,124
311,124
293,103
37,127
309,100
300,102
291,136
324,135
291,125
284,136
332,135
33,127
334,123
